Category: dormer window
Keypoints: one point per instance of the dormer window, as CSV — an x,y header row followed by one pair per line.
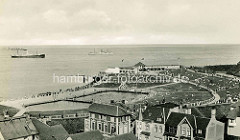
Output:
x,y
232,121
159,119
199,131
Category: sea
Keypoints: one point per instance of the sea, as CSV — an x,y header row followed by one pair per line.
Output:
x,y
21,78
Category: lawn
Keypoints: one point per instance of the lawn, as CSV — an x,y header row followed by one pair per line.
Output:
x,y
11,111
178,93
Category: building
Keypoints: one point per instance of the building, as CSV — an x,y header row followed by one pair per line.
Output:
x,y
140,67
20,128
180,126
90,135
46,132
150,124
109,119
233,121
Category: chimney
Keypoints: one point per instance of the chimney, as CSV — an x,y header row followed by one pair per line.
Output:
x,y
140,117
189,111
213,113
112,101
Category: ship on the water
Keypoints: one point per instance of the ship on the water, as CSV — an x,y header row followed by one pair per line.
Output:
x,y
28,55
102,52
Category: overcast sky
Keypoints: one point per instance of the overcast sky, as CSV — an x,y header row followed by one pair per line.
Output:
x,y
119,21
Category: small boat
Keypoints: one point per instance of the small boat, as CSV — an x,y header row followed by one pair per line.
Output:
x,y
27,55
102,52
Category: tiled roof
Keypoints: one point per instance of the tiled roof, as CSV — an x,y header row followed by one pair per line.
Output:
x,y
127,136
46,132
108,109
155,112
202,124
175,118
196,122
221,111
91,135
17,128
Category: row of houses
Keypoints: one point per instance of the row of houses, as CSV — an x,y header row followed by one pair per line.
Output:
x,y
25,128
166,121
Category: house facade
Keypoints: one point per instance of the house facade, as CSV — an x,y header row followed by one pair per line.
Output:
x,y
180,126
150,124
109,119
233,121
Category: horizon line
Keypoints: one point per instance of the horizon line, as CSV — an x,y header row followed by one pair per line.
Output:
x,y
5,45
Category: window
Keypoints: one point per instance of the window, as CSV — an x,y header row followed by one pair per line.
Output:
x,y
93,126
199,131
155,128
188,132
232,121
106,128
147,127
112,119
159,119
183,131
160,129
113,130
99,126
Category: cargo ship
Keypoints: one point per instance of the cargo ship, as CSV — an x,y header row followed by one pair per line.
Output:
x,y
27,55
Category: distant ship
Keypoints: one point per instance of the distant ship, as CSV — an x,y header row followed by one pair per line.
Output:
x,y
102,52
27,55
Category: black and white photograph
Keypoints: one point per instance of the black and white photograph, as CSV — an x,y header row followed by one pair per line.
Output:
x,y
119,69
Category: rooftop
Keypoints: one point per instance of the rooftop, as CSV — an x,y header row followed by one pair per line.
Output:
x,y
90,135
108,109
46,132
158,113
196,122
17,128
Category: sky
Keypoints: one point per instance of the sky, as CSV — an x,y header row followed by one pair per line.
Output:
x,y
80,22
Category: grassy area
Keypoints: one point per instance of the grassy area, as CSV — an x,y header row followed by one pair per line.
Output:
x,y
179,93
106,97
229,69
72,126
233,93
179,87
11,111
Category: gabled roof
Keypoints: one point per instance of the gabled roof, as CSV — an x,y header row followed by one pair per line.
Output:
x,y
152,113
17,128
139,64
196,122
108,109
90,135
175,118
127,136
221,111
46,132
